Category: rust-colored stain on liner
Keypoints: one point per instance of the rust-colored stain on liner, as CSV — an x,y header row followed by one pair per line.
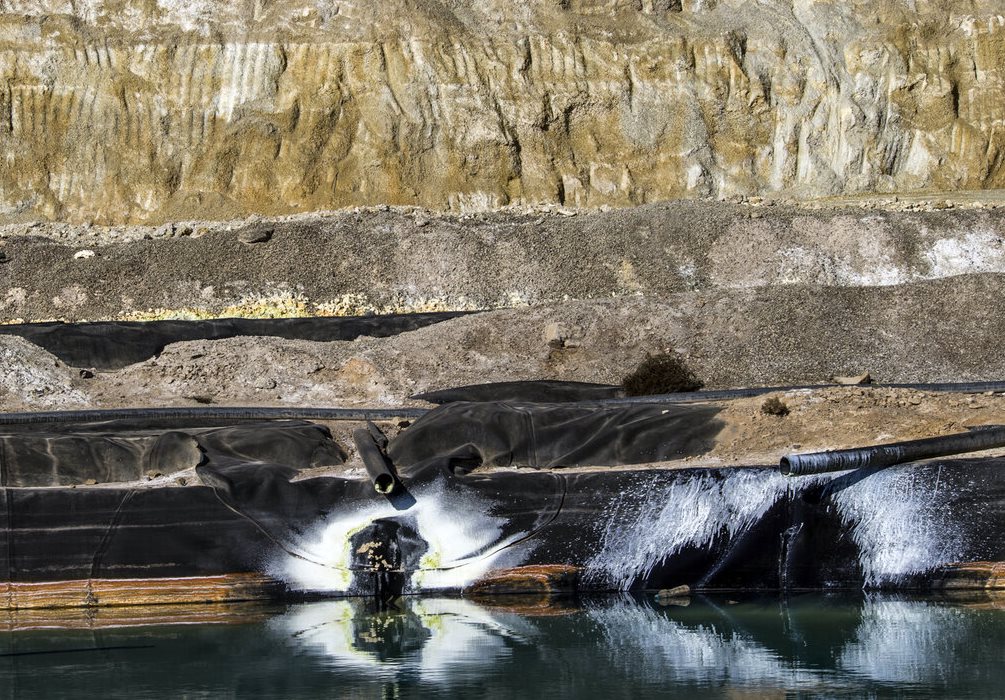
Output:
x,y
547,579
124,616
973,575
228,588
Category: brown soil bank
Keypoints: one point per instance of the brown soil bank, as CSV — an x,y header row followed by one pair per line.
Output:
x,y
129,111
942,330
391,260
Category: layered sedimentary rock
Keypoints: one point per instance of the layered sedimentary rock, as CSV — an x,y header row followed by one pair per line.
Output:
x,y
133,110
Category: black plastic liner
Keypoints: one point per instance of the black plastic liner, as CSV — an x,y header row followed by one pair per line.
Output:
x,y
131,530
250,510
556,435
124,452
116,344
78,533
201,415
540,391
801,541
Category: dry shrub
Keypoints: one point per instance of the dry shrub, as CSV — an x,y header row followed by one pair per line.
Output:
x,y
660,374
774,407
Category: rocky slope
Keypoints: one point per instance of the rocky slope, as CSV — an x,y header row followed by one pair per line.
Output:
x,y
398,260
153,110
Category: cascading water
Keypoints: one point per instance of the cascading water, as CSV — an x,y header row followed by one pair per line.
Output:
x,y
900,519
662,514
901,523
463,543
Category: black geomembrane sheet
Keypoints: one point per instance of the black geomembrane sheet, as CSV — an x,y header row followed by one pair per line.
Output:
x,y
109,345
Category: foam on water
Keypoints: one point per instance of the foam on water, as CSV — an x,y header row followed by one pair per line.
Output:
x,y
464,543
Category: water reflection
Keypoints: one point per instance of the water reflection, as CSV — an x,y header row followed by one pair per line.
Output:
x,y
605,647
429,640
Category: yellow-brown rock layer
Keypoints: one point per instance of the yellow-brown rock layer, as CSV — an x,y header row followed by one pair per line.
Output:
x,y
148,110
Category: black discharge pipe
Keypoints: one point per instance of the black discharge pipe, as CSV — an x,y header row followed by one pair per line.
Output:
x,y
370,442
979,438
207,412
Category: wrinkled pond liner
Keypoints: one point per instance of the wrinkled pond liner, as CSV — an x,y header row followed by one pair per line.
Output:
x,y
241,509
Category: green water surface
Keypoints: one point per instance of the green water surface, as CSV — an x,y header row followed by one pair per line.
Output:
x,y
610,647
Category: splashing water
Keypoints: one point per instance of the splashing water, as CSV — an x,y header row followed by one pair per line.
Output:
x,y
463,544
902,523
659,517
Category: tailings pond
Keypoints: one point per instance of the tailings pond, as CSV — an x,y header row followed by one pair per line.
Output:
x,y
604,647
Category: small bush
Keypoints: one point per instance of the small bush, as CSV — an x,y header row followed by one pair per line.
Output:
x,y
660,374
774,407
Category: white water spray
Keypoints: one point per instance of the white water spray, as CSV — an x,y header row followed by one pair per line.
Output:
x,y
665,512
464,543
901,523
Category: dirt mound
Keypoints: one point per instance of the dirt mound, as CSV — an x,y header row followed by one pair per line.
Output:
x,y
32,378
841,417
768,337
400,260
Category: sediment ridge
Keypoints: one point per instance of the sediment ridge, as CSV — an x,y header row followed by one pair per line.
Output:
x,y
394,260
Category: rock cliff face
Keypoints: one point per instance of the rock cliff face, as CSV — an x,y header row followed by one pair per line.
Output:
x,y
147,110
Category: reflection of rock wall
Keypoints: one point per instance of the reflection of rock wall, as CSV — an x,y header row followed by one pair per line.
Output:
x,y
133,110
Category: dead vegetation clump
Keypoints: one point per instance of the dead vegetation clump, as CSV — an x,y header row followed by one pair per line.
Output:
x,y
774,407
660,374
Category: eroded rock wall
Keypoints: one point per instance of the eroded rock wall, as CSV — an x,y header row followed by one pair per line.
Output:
x,y
148,110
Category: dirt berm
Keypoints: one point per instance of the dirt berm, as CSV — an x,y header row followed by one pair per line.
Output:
x,y
745,293
400,260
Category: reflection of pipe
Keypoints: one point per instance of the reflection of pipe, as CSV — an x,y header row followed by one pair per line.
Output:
x,y
377,465
980,438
